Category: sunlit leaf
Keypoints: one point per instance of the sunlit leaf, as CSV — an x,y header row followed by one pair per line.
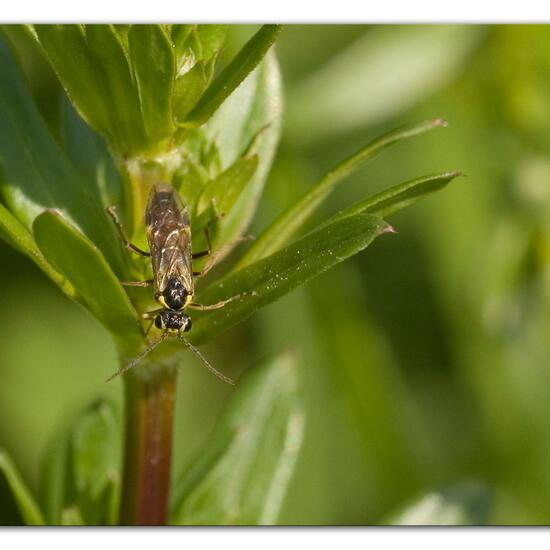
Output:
x,y
75,257
395,198
225,189
154,68
28,508
243,475
271,278
228,80
290,221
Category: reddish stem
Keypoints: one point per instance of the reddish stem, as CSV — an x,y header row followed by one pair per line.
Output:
x,y
148,448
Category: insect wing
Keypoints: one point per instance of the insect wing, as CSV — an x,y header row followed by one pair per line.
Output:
x,y
169,236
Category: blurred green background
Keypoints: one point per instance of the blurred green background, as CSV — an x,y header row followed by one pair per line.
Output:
x,y
424,361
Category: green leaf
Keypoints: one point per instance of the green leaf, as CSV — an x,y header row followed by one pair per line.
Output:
x,y
225,189
26,504
81,474
189,88
120,92
75,257
93,67
466,503
35,172
230,78
211,38
90,155
381,75
154,67
243,475
270,278
249,123
67,50
290,221
395,198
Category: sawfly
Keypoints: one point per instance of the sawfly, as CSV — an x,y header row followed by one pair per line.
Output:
x,y
170,249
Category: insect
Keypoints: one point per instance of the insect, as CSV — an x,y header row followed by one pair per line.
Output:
x,y
169,238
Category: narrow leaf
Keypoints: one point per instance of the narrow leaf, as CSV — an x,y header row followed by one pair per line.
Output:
x,y
226,189
228,80
466,503
270,278
28,508
243,476
395,198
75,257
290,221
154,67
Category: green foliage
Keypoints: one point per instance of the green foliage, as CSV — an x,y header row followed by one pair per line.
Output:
x,y
144,104
26,505
466,503
79,261
81,474
288,223
271,278
243,476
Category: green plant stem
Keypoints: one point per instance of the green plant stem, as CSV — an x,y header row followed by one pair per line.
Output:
x,y
148,447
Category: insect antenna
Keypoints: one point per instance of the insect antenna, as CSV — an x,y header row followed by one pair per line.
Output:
x,y
214,371
139,357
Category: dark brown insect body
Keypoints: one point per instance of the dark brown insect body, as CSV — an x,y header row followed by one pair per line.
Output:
x,y
169,237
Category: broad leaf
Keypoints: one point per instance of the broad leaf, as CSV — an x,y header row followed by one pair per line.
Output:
x,y
120,90
228,80
243,475
154,67
290,221
35,172
81,472
466,503
66,48
26,505
395,198
271,278
75,257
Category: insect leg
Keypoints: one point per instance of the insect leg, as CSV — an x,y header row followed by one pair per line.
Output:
x,y
217,305
112,213
151,314
137,283
204,253
219,254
